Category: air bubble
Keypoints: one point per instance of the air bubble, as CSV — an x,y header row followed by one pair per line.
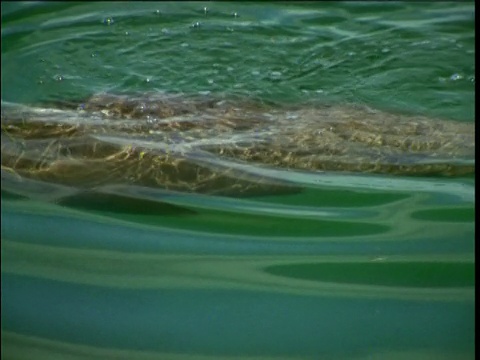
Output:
x,y
275,75
195,25
108,21
455,77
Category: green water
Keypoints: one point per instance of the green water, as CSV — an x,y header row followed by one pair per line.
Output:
x,y
349,266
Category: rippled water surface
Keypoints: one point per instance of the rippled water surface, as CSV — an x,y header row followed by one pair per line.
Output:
x,y
337,265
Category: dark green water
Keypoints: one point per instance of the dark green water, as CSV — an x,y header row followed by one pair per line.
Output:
x,y
350,267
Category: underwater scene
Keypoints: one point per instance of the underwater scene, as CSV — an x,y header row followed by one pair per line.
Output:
x,y
238,180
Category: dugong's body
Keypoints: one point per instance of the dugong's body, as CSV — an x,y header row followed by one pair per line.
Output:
x,y
187,144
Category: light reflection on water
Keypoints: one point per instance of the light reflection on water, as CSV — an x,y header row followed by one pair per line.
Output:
x,y
148,283
345,266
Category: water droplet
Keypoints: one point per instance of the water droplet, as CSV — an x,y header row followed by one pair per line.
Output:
x,y
108,21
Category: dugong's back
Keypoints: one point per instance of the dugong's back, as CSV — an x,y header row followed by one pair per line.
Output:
x,y
190,144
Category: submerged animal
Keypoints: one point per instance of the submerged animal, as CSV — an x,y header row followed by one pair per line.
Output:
x,y
195,144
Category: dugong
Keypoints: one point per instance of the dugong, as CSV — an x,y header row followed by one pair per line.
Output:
x,y
201,144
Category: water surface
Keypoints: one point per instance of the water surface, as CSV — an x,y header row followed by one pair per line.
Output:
x,y
355,266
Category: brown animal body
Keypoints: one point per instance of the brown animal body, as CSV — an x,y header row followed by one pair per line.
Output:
x,y
184,144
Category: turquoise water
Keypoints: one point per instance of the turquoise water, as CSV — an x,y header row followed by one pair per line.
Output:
x,y
351,266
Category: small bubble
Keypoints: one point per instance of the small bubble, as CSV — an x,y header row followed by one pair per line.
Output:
x,y
59,78
235,15
94,55
319,91
127,33
108,21
147,80
184,45
210,81
385,50
455,77
351,53
205,10
195,25
157,12
255,72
